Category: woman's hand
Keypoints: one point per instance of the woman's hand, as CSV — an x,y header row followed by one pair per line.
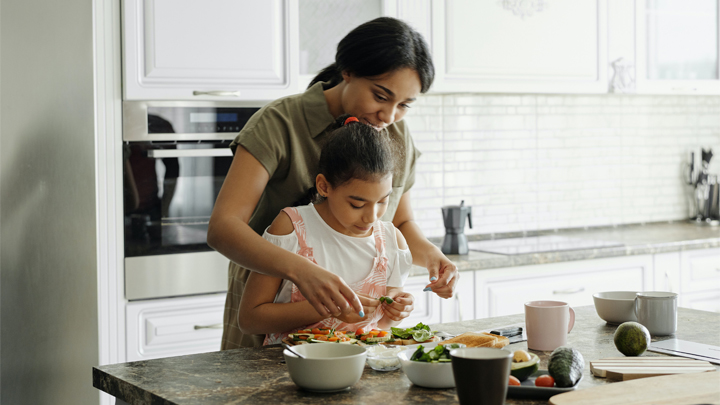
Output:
x,y
369,304
443,274
402,306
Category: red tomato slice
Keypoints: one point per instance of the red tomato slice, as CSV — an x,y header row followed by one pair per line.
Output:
x,y
513,381
545,381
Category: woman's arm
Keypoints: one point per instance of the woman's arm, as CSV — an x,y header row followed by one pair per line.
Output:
x,y
424,253
230,234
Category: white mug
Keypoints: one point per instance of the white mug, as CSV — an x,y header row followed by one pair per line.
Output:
x,y
657,311
548,324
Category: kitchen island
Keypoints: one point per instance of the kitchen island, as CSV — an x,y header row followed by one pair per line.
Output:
x,y
259,375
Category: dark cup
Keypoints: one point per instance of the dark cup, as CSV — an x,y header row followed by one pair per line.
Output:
x,y
481,375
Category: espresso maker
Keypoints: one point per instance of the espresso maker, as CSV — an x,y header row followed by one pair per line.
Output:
x,y
455,241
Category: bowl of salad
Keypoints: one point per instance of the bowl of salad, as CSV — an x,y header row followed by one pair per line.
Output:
x,y
429,365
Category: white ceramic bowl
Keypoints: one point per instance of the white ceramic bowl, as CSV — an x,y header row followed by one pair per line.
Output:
x,y
384,358
327,367
428,375
615,307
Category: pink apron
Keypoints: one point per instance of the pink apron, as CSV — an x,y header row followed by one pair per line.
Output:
x,y
374,285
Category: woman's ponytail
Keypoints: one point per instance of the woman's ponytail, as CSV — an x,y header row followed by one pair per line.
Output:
x,y
330,74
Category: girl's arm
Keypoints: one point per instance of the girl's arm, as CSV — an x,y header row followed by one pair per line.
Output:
x,y
424,252
230,234
258,313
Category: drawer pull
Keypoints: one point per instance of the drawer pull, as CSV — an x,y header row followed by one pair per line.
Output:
x,y
217,93
214,326
569,291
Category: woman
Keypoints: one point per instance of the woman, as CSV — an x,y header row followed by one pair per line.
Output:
x,y
380,68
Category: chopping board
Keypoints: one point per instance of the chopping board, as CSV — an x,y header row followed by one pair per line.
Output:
x,y
680,389
630,368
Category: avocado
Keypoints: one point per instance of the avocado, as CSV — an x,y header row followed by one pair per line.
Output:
x,y
526,365
631,338
566,366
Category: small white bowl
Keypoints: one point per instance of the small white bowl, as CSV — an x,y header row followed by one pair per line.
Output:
x,y
384,358
615,307
326,367
428,375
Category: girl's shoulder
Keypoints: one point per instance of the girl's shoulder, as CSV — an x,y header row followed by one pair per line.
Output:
x,y
393,236
281,225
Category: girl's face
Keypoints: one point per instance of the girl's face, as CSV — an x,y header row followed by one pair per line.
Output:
x,y
353,207
380,100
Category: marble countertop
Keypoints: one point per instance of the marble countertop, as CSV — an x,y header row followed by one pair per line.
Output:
x,y
652,238
259,376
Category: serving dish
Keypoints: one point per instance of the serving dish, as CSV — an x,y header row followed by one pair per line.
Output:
x,y
527,388
428,375
326,368
384,358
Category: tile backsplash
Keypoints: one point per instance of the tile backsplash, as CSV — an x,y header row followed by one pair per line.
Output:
x,y
537,162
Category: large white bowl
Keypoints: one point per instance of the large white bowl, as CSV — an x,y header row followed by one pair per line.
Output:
x,y
326,367
615,307
428,375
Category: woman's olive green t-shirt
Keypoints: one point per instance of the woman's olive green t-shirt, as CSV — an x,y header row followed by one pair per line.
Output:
x,y
286,136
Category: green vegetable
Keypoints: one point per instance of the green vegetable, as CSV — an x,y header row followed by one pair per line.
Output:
x,y
407,333
386,300
566,366
439,354
631,338
524,369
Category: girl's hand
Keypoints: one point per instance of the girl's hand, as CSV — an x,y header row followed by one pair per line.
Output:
x,y
326,291
369,305
443,274
402,306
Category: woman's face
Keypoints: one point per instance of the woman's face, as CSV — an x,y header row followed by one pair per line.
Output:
x,y
380,100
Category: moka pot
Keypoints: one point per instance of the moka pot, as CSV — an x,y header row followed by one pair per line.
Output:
x,y
455,241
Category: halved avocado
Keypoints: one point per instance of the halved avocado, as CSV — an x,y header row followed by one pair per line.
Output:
x,y
524,369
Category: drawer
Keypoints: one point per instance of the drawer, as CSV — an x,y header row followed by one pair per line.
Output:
x,y
504,291
704,301
174,327
700,270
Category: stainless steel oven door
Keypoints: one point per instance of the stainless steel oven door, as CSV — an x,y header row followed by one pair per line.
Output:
x,y
170,191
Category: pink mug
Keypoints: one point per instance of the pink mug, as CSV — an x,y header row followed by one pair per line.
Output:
x,y
547,324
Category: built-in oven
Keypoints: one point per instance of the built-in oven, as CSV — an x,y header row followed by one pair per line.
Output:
x,y
176,157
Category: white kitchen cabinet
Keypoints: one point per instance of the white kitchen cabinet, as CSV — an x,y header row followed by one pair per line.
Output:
x,y
322,27
504,291
677,46
174,327
520,47
209,50
700,279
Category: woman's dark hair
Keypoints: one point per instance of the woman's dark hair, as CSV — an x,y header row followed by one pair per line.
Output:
x,y
380,46
353,151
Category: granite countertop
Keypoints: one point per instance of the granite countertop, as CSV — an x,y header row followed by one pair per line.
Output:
x,y
640,239
259,376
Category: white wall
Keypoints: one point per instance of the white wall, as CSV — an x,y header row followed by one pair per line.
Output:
x,y
536,162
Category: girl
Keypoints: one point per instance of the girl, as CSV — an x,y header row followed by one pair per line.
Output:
x,y
380,68
342,232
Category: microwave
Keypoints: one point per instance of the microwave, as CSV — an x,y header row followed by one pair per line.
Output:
x,y
175,159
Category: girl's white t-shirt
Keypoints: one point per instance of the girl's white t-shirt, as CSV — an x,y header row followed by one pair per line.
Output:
x,y
349,257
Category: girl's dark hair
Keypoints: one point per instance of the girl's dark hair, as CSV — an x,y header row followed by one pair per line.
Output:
x,y
380,46
353,151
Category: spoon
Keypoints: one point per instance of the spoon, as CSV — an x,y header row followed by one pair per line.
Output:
x,y
293,351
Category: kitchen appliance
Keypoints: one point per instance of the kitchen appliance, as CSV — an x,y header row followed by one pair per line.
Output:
x,y
455,241
176,156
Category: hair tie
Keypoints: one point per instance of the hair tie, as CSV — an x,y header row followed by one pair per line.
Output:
x,y
350,119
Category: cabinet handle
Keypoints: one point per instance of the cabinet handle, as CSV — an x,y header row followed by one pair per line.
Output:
x,y
569,291
459,307
218,93
214,326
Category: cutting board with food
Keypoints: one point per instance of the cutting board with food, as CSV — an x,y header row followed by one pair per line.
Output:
x,y
680,389
630,368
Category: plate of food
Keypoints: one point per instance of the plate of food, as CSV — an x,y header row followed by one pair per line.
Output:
x,y
418,334
539,385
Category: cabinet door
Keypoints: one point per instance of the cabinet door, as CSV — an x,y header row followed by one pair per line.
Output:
x,y
678,46
504,291
502,46
699,271
209,49
461,307
427,304
174,327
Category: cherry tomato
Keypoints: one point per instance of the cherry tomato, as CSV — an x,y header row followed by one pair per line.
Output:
x,y
360,331
513,381
545,381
